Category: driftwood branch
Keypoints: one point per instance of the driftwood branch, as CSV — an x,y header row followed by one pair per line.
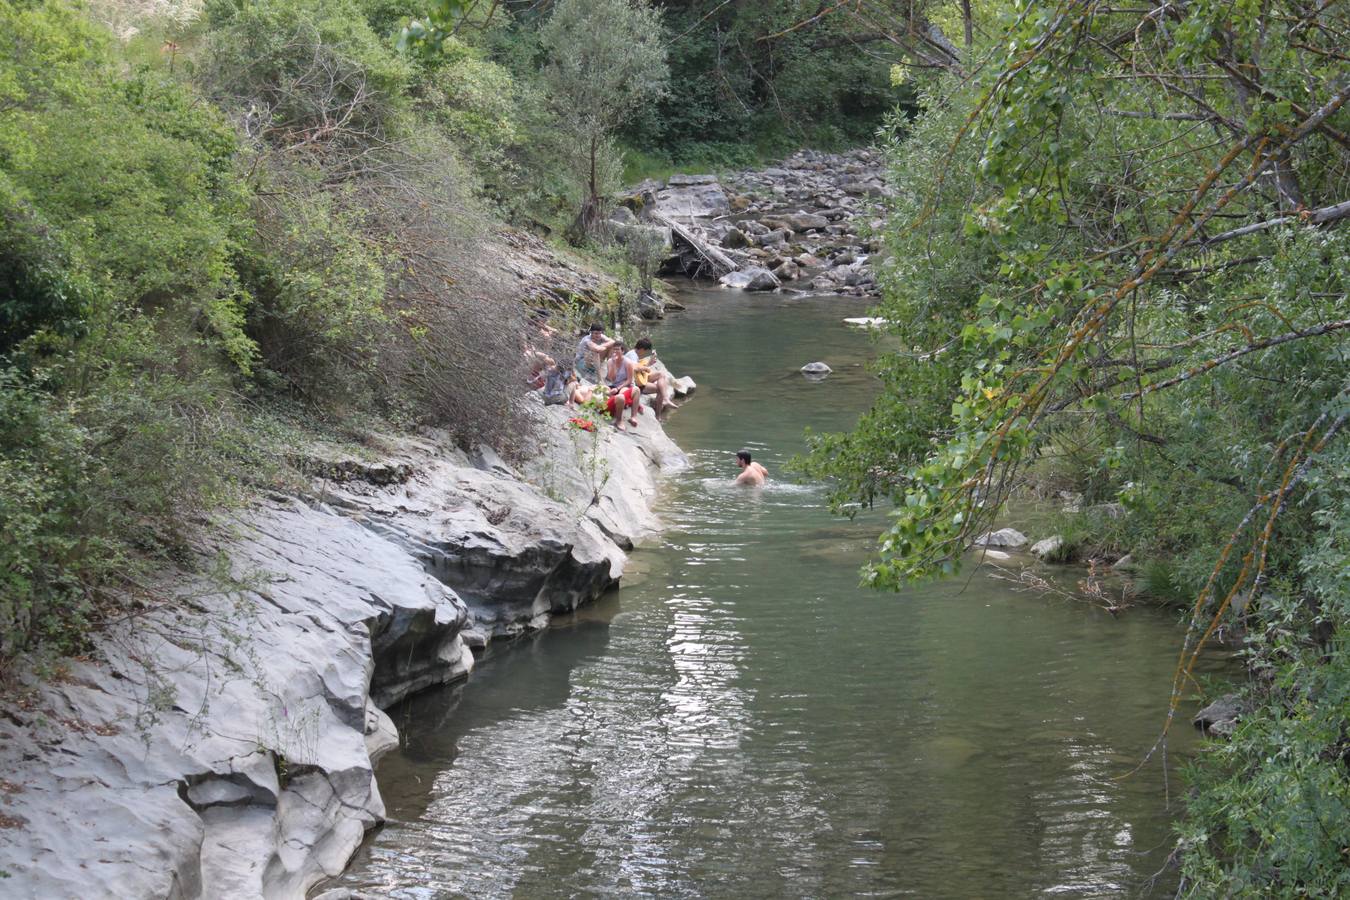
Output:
x,y
1320,216
717,261
1266,344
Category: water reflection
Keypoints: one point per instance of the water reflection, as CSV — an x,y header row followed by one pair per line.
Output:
x,y
742,720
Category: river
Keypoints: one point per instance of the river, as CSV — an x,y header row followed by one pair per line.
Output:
x,y
742,720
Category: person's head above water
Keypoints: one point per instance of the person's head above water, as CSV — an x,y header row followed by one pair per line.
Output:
x,y
743,458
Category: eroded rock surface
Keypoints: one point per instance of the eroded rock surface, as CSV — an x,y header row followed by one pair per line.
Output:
x,y
218,748
224,746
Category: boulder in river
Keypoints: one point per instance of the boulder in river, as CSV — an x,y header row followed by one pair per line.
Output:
x,y
753,278
1048,548
1004,537
773,238
735,239
816,368
650,306
693,196
806,222
1220,717
751,227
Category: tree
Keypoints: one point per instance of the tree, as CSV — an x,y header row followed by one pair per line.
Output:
x,y
605,58
1120,235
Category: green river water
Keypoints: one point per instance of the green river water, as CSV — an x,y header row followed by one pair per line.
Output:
x,y
741,720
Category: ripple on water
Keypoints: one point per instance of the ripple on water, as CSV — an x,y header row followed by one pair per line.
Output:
x,y
754,725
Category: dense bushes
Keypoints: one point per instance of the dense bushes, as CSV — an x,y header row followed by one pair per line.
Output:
x,y
39,288
171,268
1094,299
1270,814
122,320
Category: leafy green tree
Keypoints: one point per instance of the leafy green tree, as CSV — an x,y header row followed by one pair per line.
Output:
x,y
1123,232
605,58
40,285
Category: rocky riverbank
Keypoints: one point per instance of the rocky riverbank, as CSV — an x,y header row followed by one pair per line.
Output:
x,y
224,745
804,225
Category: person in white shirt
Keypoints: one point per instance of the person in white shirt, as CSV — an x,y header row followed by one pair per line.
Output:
x,y
652,382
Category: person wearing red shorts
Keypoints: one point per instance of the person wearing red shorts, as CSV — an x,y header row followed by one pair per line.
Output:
x,y
618,381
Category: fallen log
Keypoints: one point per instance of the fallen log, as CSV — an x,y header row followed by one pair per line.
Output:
x,y
711,262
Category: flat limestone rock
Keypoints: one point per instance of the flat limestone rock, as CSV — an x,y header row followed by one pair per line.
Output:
x,y
252,777
241,763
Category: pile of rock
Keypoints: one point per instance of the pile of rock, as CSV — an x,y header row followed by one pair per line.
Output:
x,y
798,225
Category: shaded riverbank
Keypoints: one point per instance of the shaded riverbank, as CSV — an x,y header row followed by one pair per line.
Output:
x,y
741,719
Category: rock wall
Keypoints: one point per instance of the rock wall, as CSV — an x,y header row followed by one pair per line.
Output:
x,y
224,745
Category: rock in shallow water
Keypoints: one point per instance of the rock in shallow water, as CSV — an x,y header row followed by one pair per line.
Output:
x,y
1004,537
816,368
753,278
1048,547
1219,718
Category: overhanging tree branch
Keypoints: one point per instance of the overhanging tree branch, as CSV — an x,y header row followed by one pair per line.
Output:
x,y
1321,216
1212,364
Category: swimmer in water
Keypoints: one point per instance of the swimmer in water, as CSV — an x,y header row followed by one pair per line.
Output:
x,y
752,473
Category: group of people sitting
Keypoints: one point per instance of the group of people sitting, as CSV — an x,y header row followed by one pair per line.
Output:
x,y
605,372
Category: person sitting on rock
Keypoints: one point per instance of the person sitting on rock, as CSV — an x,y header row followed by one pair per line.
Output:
x,y
539,364
752,473
619,383
649,379
579,394
590,352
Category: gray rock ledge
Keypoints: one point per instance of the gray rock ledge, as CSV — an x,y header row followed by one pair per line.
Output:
x,y
241,764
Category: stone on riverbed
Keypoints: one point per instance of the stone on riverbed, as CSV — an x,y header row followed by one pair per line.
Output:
x,y
1220,717
735,239
1004,537
1048,547
754,278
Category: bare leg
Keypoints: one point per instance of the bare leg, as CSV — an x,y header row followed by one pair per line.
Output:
x,y
618,411
653,390
665,395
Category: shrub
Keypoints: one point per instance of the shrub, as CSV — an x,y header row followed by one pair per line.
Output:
x,y
41,288
1269,815
305,75
318,284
